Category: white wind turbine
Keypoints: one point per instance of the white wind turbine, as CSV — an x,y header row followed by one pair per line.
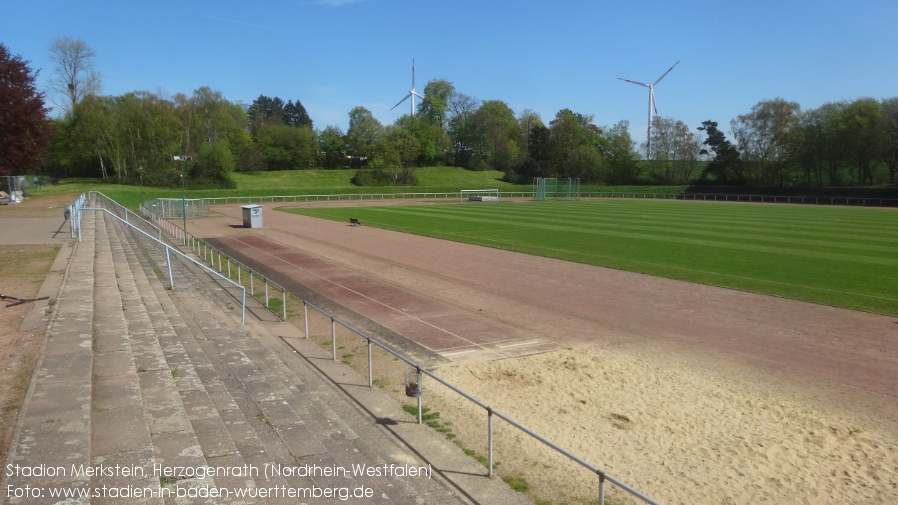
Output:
x,y
411,94
652,106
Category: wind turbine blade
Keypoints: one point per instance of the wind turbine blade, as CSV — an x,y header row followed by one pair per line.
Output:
x,y
665,73
413,74
419,95
634,82
400,101
654,104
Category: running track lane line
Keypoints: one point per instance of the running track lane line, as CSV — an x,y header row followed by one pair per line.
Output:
x,y
390,307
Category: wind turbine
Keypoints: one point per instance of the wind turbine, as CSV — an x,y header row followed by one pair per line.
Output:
x,y
652,106
411,94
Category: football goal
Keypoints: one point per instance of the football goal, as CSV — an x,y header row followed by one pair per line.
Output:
x,y
553,188
478,195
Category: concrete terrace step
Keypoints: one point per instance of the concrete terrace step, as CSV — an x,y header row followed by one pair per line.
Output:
x,y
54,426
137,375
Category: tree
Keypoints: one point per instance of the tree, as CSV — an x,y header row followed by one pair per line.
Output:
x,y
726,166
461,110
331,146
865,136
25,129
264,111
74,76
295,114
623,160
675,151
818,143
285,147
365,132
890,145
435,104
496,136
762,138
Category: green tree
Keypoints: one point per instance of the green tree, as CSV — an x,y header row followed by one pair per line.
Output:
x,y
890,141
365,133
496,137
265,111
865,136
213,166
461,129
285,147
25,129
401,149
818,144
331,147
295,114
623,160
762,139
725,166
435,104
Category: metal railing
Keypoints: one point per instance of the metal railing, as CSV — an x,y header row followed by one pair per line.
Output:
x,y
452,195
226,265
206,251
794,199
759,198
80,207
421,371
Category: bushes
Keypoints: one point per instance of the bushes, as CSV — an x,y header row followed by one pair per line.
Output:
x,y
385,177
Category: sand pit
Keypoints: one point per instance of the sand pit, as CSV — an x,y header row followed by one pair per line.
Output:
x,y
680,427
690,394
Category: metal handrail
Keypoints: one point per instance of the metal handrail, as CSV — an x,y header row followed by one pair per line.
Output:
x,y
204,250
168,250
761,198
602,475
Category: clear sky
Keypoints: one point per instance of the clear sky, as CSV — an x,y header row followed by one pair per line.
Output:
x,y
333,55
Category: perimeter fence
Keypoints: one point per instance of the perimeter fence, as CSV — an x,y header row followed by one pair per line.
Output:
x,y
583,194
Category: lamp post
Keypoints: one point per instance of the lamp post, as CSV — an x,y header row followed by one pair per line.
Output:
x,y
140,170
182,159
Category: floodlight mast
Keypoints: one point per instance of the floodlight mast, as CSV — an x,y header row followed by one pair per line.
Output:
x,y
411,94
182,159
653,107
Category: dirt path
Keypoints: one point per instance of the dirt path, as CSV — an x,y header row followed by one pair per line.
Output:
x,y
31,235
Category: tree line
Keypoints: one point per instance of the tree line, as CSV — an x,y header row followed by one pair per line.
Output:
x,y
131,138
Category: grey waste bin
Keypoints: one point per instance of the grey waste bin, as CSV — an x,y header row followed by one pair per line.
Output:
x,y
252,216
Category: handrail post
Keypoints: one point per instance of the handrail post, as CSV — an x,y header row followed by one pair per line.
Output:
x,y
171,279
601,488
370,367
284,302
489,438
334,338
305,316
420,397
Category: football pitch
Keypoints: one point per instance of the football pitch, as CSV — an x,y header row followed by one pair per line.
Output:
x,y
842,256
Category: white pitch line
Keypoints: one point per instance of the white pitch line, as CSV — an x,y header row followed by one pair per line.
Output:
x,y
518,345
457,352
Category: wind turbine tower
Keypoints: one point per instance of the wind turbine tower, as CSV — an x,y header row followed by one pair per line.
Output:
x,y
652,106
411,94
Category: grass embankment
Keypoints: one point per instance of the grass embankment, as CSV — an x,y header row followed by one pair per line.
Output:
x,y
846,257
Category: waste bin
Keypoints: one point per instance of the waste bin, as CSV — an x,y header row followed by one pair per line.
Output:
x,y
252,216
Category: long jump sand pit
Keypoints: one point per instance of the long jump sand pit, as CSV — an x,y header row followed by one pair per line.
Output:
x,y
688,393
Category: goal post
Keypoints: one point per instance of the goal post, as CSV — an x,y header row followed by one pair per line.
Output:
x,y
478,195
554,188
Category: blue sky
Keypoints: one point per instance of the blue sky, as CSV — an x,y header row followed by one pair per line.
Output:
x,y
542,55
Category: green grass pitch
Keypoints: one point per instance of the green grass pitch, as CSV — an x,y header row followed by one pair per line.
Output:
x,y
842,256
